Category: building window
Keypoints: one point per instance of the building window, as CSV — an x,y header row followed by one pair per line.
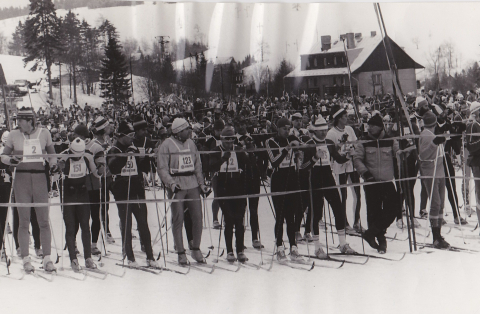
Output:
x,y
315,82
315,62
377,79
310,82
325,62
334,60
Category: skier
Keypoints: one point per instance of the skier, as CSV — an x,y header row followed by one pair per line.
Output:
x,y
229,166
127,185
281,156
77,172
182,174
317,162
30,184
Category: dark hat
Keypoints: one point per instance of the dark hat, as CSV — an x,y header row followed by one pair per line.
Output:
x,y
376,120
283,122
81,130
429,119
125,128
336,111
139,124
228,131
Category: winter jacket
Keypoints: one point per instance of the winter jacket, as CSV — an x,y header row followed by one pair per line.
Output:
x,y
376,157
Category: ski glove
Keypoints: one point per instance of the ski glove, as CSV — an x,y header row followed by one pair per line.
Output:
x,y
439,140
368,177
175,187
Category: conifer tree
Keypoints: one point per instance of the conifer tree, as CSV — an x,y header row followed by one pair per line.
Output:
x,y
115,84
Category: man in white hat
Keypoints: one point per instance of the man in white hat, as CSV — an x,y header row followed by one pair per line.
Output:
x,y
182,175
317,162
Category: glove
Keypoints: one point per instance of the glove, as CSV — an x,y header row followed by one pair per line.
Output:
x,y
439,140
342,159
15,160
368,177
205,190
175,187
54,169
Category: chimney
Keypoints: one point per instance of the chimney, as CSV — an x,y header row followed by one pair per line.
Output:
x,y
358,35
326,42
373,33
350,40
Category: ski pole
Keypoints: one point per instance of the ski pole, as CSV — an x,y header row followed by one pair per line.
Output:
x,y
62,194
429,204
205,210
219,237
158,215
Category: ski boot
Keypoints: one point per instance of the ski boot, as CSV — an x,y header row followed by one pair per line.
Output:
x,y
299,237
231,257
462,221
281,257
132,263
182,259
152,263
257,244
75,267
370,239
48,266
346,249
242,258
216,225
3,258
320,253
400,224
358,228
295,256
198,256
110,239
95,250
90,264
308,237
440,243
27,265
382,244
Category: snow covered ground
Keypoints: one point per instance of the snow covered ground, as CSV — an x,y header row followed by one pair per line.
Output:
x,y
439,282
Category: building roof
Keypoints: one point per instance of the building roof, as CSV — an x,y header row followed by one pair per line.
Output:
x,y
364,47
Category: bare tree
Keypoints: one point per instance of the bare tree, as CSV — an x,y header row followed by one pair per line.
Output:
x,y
263,50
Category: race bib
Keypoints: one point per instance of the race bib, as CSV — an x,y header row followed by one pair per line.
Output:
x,y
78,169
185,163
287,161
232,164
141,150
325,156
32,147
130,168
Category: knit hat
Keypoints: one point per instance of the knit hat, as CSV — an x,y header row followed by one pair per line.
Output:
x,y
77,146
125,128
320,124
376,120
228,132
139,124
219,125
296,116
429,119
81,130
336,111
100,123
283,122
178,125
25,113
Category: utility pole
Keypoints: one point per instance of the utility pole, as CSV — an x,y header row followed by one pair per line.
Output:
x,y
163,42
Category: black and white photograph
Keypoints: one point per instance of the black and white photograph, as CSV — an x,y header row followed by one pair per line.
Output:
x,y
240,157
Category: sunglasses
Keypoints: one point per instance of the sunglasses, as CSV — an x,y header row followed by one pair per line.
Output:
x,y
229,138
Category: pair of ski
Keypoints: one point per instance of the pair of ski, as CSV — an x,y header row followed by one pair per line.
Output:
x,y
451,249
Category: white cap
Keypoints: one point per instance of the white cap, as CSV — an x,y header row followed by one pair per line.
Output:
x,y
320,124
178,125
475,106
77,146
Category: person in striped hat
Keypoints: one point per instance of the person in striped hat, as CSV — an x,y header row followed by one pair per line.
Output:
x,y
30,183
183,177
318,163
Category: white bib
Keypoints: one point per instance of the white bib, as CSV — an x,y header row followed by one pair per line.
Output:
x,y
32,147
185,163
286,162
232,164
130,168
78,168
325,156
